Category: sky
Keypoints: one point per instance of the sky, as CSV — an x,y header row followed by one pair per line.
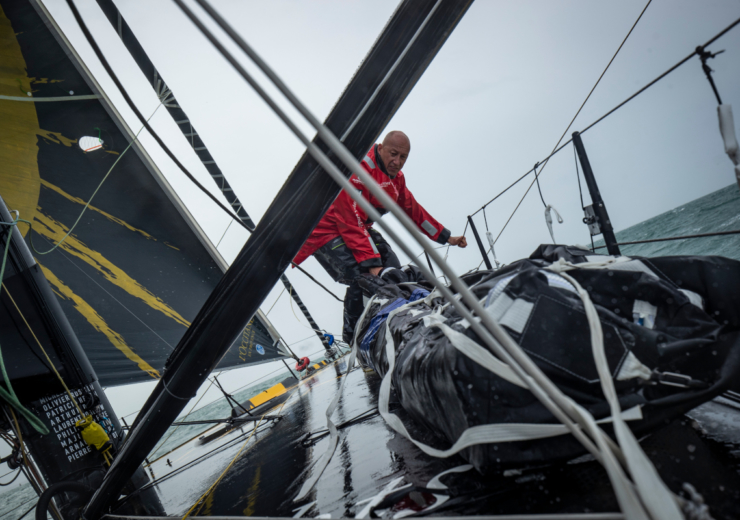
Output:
x,y
495,100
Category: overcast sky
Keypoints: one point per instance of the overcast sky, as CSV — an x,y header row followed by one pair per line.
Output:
x,y
494,101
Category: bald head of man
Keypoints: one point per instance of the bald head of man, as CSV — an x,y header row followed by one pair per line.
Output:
x,y
393,151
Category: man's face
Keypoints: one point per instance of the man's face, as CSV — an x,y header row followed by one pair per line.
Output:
x,y
394,153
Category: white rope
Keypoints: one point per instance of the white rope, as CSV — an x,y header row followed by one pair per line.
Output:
x,y
658,500
548,219
483,434
491,242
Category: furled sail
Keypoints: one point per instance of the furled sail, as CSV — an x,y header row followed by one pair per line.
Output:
x,y
137,268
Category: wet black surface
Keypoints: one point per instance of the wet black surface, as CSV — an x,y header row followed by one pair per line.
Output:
x,y
371,459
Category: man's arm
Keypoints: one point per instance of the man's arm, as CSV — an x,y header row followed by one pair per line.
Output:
x,y
424,220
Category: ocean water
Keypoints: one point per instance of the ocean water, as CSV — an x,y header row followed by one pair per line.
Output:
x,y
718,211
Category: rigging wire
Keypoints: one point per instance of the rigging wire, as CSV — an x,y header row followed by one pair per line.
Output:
x,y
578,177
191,411
53,368
314,280
620,105
225,231
555,148
677,65
210,490
276,300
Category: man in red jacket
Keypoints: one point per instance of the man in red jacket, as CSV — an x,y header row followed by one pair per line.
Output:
x,y
344,242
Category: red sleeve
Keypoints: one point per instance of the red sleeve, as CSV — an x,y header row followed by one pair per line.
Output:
x,y
421,217
350,219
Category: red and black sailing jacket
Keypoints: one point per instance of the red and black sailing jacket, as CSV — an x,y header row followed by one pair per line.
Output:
x,y
346,219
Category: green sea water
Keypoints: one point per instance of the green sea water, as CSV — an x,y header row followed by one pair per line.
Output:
x,y
718,211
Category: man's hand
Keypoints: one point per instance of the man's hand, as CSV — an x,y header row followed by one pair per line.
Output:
x,y
375,271
457,241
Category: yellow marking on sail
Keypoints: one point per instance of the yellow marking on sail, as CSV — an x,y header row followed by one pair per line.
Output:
x,y
19,124
45,80
253,492
98,323
56,137
55,232
170,245
208,505
76,200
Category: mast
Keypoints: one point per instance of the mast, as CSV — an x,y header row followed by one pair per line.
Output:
x,y
167,97
401,54
602,221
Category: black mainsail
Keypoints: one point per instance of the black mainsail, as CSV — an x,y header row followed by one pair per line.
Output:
x,y
134,272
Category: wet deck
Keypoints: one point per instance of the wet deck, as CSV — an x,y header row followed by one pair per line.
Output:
x,y
269,467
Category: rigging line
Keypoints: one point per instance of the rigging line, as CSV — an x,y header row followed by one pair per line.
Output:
x,y
485,218
537,180
276,300
602,75
677,65
188,465
566,143
536,175
28,511
666,239
146,124
578,177
3,484
556,150
56,372
191,411
314,280
225,231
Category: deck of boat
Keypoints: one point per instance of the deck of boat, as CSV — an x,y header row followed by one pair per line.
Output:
x,y
269,467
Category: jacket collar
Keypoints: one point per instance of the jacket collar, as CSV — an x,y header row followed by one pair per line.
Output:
x,y
379,162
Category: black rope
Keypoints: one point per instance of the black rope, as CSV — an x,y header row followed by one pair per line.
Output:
x,y
141,117
578,176
704,56
11,480
701,235
485,219
537,180
314,280
27,511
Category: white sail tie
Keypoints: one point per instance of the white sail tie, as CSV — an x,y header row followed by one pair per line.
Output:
x,y
727,129
548,219
491,242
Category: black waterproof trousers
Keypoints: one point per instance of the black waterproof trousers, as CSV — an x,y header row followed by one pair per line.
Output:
x,y
341,265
